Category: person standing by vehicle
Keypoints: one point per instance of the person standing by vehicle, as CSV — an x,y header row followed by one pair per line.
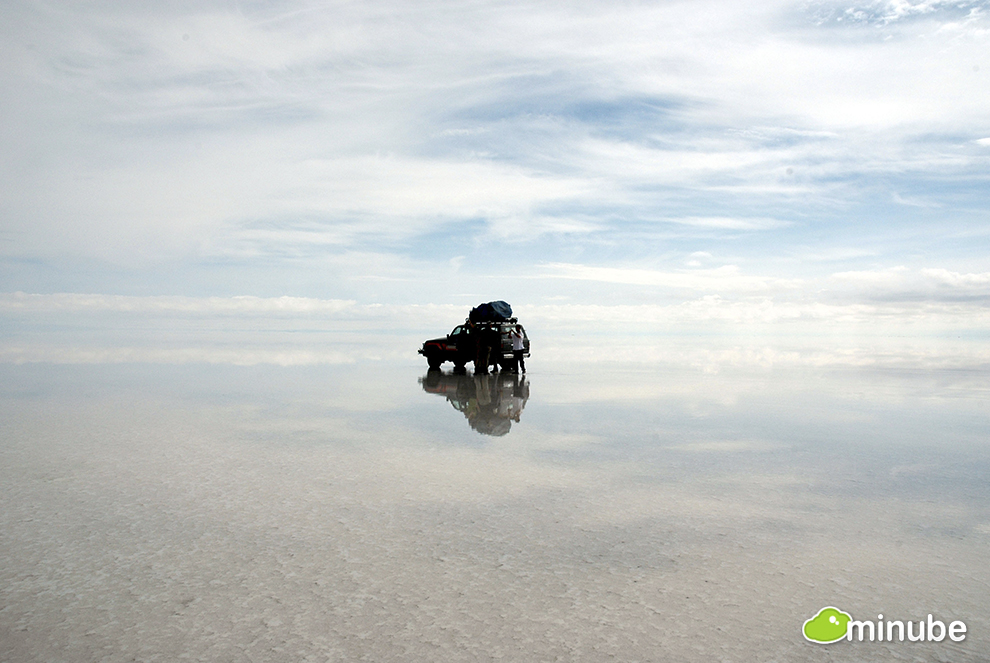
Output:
x,y
518,348
484,348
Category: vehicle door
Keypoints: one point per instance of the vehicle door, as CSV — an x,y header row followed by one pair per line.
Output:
x,y
460,339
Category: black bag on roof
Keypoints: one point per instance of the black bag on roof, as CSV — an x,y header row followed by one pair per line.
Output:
x,y
497,311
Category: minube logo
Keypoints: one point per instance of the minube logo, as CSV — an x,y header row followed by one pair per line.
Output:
x,y
831,625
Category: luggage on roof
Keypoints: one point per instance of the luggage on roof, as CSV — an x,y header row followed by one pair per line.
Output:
x,y
497,311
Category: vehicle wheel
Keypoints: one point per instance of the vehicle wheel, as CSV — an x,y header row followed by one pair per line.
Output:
x,y
434,362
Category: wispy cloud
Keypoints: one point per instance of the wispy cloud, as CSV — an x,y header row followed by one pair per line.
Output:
x,y
888,276
728,223
204,354
351,151
727,278
886,12
242,305
900,284
973,284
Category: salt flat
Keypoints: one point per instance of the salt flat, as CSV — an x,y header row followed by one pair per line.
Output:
x,y
343,513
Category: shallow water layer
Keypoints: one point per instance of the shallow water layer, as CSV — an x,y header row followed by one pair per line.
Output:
x,y
380,512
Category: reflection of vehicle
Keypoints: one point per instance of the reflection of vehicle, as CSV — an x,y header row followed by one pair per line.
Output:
x,y
459,346
489,402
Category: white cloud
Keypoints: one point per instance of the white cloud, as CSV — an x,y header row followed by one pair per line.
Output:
x,y
929,284
833,254
886,277
972,282
243,305
722,279
209,354
729,223
140,134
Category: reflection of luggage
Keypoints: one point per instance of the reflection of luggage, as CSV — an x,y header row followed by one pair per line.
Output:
x,y
497,311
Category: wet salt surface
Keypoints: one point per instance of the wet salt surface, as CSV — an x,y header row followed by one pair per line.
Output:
x,y
356,513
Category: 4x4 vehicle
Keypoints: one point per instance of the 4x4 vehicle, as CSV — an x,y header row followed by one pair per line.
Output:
x,y
459,346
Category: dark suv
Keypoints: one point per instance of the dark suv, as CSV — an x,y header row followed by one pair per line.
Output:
x,y
459,346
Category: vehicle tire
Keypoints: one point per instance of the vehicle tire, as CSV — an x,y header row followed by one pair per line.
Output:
x,y
434,362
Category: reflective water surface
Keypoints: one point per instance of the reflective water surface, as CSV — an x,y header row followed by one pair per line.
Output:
x,y
586,513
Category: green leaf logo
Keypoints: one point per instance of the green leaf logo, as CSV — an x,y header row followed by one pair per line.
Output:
x,y
829,625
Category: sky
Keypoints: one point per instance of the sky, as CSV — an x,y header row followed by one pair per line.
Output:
x,y
670,167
